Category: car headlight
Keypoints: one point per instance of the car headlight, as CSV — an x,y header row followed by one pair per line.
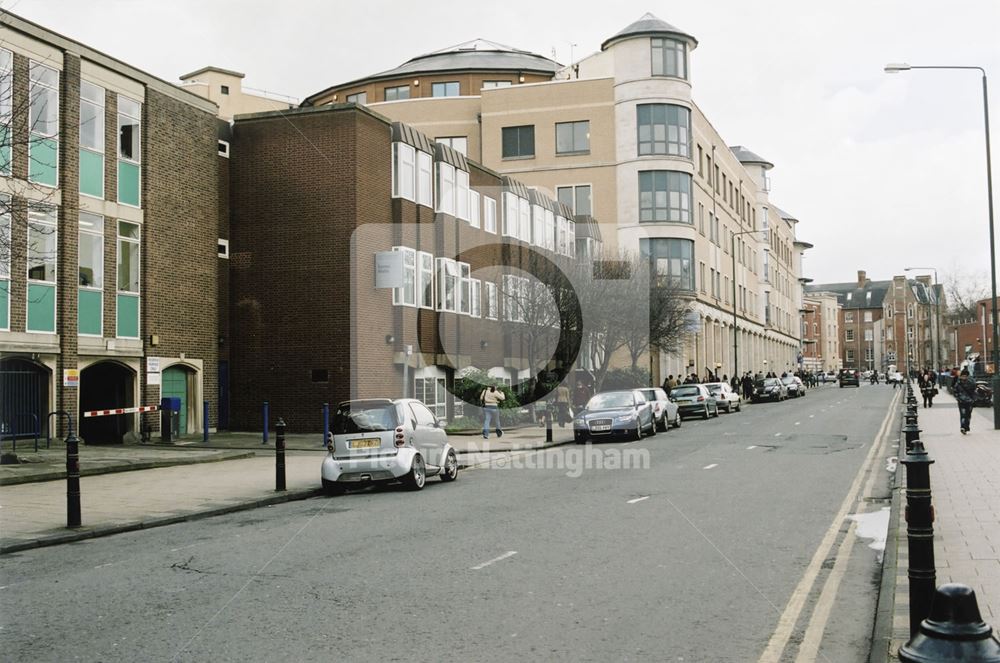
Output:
x,y
625,418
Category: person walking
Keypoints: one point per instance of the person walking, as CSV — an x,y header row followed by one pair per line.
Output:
x,y
927,388
747,386
491,399
965,394
562,405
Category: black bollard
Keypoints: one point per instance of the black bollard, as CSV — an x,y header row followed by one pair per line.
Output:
x,y
912,433
279,454
72,477
953,631
919,533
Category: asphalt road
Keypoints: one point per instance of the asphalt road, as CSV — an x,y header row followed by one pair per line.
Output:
x,y
727,544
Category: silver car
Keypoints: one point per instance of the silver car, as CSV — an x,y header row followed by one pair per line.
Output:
x,y
665,412
379,440
726,398
612,415
695,399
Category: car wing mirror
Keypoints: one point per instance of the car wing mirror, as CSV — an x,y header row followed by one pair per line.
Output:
x,y
440,423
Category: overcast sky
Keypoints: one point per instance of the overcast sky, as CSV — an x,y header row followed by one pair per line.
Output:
x,y
884,171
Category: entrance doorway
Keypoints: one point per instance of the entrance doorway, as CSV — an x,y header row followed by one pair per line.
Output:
x,y
179,382
24,398
104,386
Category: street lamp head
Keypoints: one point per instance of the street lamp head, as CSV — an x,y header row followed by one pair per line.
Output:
x,y
896,67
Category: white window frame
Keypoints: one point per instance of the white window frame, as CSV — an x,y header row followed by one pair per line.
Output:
x,y
475,209
119,239
99,233
425,179
490,311
476,291
509,220
550,230
58,117
425,280
447,273
464,288
54,226
5,228
538,225
490,214
461,194
524,219
446,186
404,171
399,294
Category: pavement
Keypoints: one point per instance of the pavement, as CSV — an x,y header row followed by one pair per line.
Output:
x,y
131,487
965,492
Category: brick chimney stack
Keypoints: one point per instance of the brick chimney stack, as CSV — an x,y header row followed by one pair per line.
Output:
x,y
862,278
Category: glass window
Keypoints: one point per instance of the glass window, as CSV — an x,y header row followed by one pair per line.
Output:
x,y
477,289
475,209
489,214
128,257
425,182
671,261
538,225
446,188
524,219
448,89
447,279
44,100
492,85
490,301
510,208
572,137
360,98
550,230
462,195
91,250
91,116
518,142
669,57
129,132
576,198
398,92
425,280
664,195
458,143
406,295
664,129
42,243
4,238
464,288
6,109
404,171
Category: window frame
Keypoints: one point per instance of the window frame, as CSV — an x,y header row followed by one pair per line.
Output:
x,y
667,192
446,86
399,294
666,45
573,127
395,90
490,214
519,129
683,130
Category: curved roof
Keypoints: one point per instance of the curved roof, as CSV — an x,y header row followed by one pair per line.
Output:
x,y
785,215
475,55
746,156
652,26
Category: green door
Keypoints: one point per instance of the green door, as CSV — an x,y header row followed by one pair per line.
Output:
x,y
174,384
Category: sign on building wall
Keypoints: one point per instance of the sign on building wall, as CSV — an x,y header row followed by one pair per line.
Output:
x,y
71,377
389,269
153,370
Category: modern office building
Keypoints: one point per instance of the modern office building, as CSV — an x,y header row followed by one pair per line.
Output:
x,y
618,135
109,228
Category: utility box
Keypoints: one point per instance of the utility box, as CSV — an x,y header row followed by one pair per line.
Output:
x,y
170,417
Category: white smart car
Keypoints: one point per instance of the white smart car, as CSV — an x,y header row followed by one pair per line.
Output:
x,y
380,440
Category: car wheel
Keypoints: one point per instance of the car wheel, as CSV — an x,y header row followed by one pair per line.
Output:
x,y
661,425
716,410
652,427
677,419
332,488
450,471
739,406
705,415
637,433
417,476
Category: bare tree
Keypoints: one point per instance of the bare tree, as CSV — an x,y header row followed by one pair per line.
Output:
x,y
963,288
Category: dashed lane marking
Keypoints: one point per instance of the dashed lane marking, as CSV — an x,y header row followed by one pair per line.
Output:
x,y
708,467
509,553
638,499
752,446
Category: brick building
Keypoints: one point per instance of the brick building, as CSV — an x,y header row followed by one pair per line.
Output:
x,y
109,193
969,338
821,332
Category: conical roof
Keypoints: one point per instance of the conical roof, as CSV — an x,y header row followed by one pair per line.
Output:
x,y
746,156
649,25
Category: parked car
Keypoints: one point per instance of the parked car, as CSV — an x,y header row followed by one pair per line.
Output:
x,y
726,398
769,389
794,385
383,440
695,399
613,415
848,376
665,412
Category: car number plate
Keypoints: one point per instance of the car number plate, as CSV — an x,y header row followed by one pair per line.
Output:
x,y
600,428
365,443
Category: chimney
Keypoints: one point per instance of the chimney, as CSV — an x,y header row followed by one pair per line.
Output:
x,y
862,278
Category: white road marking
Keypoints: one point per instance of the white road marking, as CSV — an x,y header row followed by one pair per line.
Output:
x,y
638,499
777,434
509,553
708,467
752,446
811,416
793,609
797,423
101,566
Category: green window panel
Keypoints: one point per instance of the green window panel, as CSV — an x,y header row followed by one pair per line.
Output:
x,y
92,173
41,307
89,312
128,316
43,160
128,183
5,152
4,304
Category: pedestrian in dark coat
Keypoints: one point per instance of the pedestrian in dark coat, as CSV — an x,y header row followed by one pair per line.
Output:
x,y
965,394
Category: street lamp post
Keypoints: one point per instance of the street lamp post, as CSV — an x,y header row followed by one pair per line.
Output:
x,y
732,253
936,329
898,67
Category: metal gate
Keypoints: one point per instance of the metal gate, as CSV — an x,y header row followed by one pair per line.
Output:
x,y
23,405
